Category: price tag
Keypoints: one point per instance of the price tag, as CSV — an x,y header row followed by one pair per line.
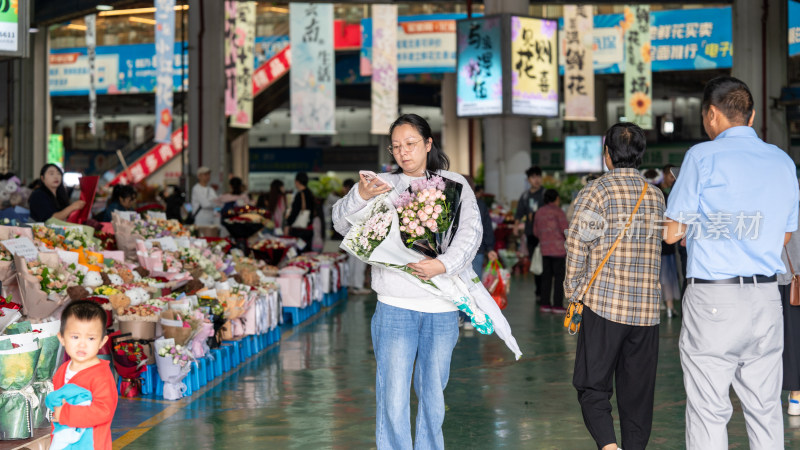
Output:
x,y
22,247
167,244
157,215
68,257
183,242
127,215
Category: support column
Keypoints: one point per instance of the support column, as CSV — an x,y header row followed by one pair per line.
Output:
x,y
240,156
760,60
32,110
207,90
507,140
455,131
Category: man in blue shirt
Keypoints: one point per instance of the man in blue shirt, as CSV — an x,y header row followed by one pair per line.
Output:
x,y
732,330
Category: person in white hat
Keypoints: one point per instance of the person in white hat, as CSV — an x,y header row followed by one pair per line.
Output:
x,y
203,196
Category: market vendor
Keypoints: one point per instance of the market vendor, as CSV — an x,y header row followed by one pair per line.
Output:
x,y
50,198
203,197
123,198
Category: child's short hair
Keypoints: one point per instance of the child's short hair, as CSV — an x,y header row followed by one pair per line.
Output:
x,y
85,311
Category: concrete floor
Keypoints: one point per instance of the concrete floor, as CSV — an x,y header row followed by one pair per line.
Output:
x,y
316,390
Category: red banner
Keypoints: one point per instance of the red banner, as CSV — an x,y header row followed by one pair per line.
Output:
x,y
276,67
154,159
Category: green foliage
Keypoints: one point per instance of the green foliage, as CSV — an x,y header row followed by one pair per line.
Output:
x,y
324,186
566,187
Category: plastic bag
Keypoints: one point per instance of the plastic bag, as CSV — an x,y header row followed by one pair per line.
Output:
x,y
537,265
496,282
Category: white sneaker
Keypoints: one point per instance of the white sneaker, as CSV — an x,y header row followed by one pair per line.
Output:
x,y
794,407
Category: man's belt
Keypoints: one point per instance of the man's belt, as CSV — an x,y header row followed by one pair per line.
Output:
x,y
738,280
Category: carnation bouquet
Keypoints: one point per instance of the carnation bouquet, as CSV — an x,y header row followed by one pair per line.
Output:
x,y
402,227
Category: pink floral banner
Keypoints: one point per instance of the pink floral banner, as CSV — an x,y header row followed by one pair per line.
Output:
x,y
244,39
578,62
384,67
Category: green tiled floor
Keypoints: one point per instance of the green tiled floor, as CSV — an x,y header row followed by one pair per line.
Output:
x,y
316,390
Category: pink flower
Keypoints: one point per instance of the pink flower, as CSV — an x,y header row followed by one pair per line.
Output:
x,y
402,228
405,220
399,209
435,215
413,225
429,210
422,216
420,231
431,224
438,209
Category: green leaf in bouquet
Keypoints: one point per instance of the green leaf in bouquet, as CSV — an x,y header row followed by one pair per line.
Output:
x,y
15,417
48,358
16,370
39,414
19,328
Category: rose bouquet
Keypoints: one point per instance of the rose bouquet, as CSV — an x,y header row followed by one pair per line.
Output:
x,y
174,363
399,228
18,400
130,360
9,313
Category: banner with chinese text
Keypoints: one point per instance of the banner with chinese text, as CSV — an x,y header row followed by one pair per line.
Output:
x,y
9,26
245,35
231,50
165,47
91,46
480,68
578,61
534,66
638,73
312,81
384,67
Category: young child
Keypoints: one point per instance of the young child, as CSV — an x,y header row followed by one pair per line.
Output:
x,y
83,333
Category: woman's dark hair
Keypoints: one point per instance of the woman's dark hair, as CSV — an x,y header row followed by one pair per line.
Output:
x,y
550,196
61,198
237,187
302,178
261,201
625,143
437,160
275,194
731,96
122,191
85,311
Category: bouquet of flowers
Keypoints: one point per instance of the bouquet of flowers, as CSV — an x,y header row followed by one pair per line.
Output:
x,y
397,228
178,327
43,287
129,361
9,313
270,251
18,400
174,363
49,359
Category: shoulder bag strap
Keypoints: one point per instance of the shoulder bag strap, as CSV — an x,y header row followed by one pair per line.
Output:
x,y
789,259
614,246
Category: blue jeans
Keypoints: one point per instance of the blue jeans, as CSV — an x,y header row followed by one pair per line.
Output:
x,y
399,337
477,263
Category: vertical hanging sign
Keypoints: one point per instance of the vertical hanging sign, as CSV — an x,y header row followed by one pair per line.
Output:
x,y
384,67
91,45
638,67
245,35
534,66
578,62
165,49
231,49
479,67
312,88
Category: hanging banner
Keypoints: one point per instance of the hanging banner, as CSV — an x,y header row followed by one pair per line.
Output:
x,y
231,50
384,67
638,71
245,36
312,82
91,45
534,66
480,68
578,59
165,47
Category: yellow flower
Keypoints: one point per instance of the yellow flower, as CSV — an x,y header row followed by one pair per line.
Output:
x,y
646,53
640,104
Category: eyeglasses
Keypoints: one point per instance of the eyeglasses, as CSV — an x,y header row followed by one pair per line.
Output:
x,y
409,147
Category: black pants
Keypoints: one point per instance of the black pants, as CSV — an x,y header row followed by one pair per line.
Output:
x,y
553,278
791,342
306,234
629,354
532,242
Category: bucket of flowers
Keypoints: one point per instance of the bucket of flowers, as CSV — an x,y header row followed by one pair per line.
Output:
x,y
130,360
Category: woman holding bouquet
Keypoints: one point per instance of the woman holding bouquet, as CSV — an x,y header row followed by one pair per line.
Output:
x,y
50,199
411,327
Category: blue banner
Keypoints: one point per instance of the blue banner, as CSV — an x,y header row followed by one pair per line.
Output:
x,y
794,27
480,68
680,39
165,46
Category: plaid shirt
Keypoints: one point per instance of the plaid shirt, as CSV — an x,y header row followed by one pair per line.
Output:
x,y
627,289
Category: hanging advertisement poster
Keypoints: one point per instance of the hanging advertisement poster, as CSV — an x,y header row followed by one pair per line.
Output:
x,y
479,67
578,57
165,47
534,67
384,67
794,27
312,82
245,32
638,74
231,50
425,44
14,30
91,44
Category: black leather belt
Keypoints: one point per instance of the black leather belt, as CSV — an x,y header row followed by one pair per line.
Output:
x,y
738,280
